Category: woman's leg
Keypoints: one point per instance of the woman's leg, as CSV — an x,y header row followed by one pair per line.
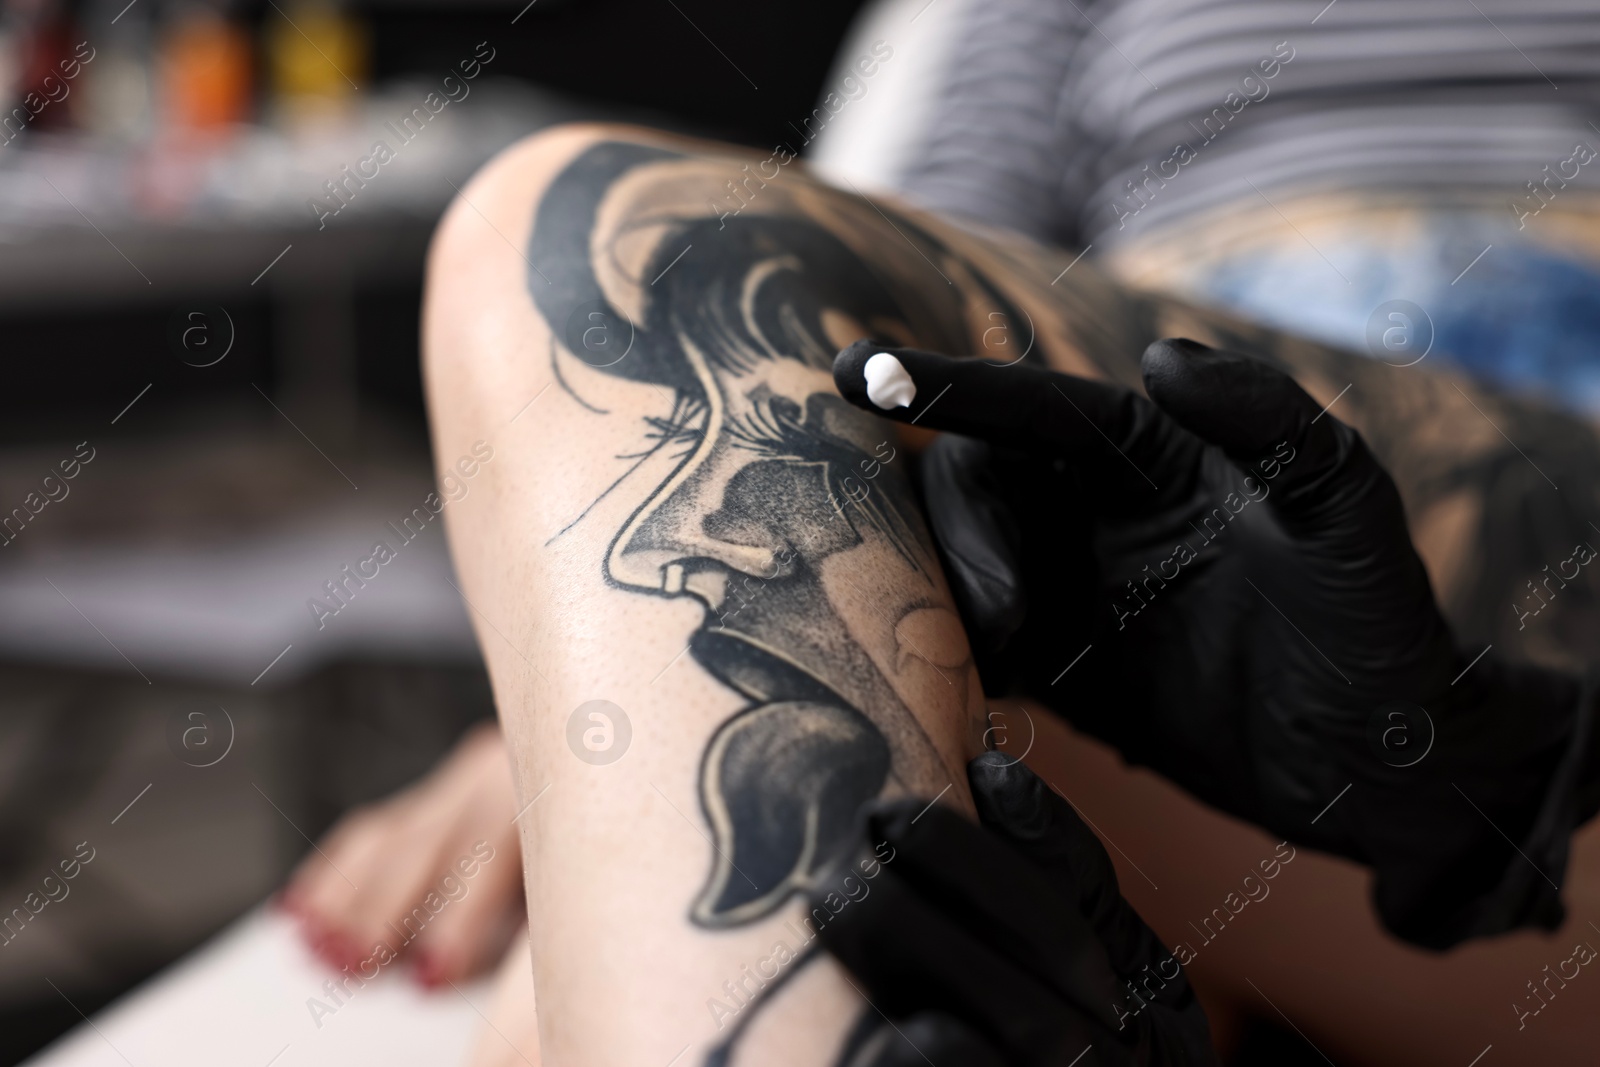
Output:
x,y
708,605
710,610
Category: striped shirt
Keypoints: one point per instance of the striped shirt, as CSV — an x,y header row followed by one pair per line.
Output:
x,y
1090,121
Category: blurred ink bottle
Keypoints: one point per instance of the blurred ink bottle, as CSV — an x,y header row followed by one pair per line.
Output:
x,y
204,70
316,56
118,90
35,39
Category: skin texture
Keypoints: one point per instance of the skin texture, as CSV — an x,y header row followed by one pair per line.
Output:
x,y
696,532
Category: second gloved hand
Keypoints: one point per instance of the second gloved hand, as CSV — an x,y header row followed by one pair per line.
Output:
x,y
1001,945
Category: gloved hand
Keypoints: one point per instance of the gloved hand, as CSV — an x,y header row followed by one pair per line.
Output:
x,y
1233,567
1006,945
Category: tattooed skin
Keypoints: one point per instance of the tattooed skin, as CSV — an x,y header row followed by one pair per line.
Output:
x,y
772,476
787,514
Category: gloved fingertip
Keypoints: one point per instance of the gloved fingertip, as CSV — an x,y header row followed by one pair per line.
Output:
x,y
878,377
1180,348
1243,405
849,372
893,819
929,1037
1009,797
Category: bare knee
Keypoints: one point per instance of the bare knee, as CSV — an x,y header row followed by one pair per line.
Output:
x,y
497,204
476,331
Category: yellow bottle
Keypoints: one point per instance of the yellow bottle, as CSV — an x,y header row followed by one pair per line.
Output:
x,y
316,59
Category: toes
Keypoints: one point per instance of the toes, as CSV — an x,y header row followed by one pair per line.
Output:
x,y
324,891
471,931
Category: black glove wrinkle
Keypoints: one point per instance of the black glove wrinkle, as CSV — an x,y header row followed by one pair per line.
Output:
x,y
914,952
977,539
948,864
1020,806
1010,801
927,1037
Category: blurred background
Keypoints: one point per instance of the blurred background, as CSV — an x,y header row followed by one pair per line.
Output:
x,y
207,319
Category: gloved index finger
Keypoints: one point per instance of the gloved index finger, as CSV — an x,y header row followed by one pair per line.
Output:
x,y
1019,406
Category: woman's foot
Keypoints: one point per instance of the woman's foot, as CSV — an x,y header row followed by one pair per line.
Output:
x,y
432,873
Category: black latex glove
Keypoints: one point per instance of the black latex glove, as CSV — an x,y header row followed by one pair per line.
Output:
x,y
1258,625
1006,945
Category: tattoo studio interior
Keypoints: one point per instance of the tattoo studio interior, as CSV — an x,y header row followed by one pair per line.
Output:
x,y
1023,534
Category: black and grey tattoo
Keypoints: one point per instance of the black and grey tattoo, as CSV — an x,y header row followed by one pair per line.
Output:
x,y
773,474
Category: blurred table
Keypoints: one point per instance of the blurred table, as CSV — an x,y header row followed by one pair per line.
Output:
x,y
243,999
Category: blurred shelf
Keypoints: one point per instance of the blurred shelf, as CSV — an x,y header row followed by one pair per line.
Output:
x,y
86,222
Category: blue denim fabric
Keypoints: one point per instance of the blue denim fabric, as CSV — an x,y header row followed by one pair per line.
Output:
x,y
1523,316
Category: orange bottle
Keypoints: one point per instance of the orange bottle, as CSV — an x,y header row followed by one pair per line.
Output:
x,y
205,72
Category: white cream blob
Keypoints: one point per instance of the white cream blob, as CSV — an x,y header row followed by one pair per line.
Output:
x,y
888,383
